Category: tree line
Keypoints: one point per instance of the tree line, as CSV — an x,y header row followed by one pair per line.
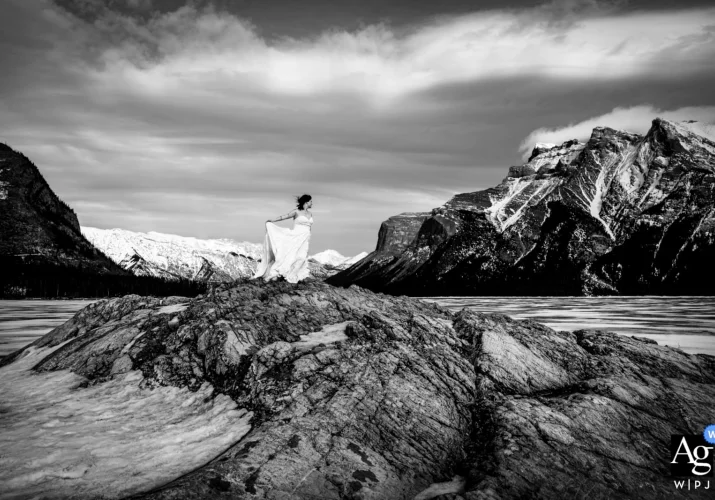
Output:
x,y
21,279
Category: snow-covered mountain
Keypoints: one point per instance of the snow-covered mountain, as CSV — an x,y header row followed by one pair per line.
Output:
x,y
329,257
619,214
174,257
352,260
336,259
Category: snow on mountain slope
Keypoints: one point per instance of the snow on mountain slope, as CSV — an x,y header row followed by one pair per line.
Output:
x,y
620,213
336,259
329,257
158,254
355,259
706,130
173,257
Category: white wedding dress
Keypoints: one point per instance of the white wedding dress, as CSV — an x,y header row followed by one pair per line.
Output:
x,y
285,251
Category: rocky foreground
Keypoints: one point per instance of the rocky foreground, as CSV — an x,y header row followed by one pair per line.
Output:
x,y
361,395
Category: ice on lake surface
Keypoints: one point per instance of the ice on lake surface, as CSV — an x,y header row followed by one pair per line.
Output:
x,y
23,321
110,440
684,322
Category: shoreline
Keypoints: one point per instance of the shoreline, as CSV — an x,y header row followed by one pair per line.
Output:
x,y
697,339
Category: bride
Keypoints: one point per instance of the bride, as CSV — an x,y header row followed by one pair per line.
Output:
x,y
285,251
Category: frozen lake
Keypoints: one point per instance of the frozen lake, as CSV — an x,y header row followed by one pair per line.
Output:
x,y
22,321
684,322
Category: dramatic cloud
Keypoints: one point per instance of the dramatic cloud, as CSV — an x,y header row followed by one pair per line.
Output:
x,y
192,122
188,49
636,119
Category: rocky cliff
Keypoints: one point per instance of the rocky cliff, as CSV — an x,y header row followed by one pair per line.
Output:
x,y
350,394
36,226
619,214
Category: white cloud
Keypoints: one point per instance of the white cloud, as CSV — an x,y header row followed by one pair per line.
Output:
x,y
636,119
183,49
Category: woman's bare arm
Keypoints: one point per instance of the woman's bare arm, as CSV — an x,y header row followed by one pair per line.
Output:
x,y
289,215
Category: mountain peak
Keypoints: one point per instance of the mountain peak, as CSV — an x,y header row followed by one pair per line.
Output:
x,y
688,136
687,128
547,147
329,257
621,213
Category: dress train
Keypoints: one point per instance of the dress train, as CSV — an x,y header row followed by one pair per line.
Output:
x,y
285,251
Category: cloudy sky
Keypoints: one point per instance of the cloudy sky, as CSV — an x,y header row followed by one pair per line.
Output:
x,y
205,118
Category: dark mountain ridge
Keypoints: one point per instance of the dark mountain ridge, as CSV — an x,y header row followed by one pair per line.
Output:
x,y
619,214
42,250
35,222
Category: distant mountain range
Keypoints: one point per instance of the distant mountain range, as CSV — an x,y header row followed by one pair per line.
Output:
x,y
336,259
619,214
173,257
45,253
211,260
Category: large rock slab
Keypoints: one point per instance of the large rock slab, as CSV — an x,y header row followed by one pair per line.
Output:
x,y
600,421
353,394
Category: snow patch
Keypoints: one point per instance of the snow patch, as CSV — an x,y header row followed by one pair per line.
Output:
x,y
653,190
456,485
550,156
175,308
355,259
600,189
3,190
329,257
621,168
328,335
335,258
706,130
110,440
702,130
497,212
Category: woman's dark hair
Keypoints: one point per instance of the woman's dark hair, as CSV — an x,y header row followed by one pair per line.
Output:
x,y
302,200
